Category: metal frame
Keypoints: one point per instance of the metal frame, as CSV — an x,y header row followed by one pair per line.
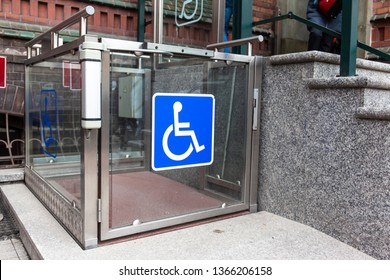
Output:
x,y
80,17
219,20
257,75
93,207
89,224
238,42
77,221
249,194
75,218
249,189
158,18
64,211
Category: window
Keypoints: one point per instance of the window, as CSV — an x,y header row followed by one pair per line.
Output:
x,y
381,32
59,10
42,10
74,10
129,23
117,21
103,19
25,7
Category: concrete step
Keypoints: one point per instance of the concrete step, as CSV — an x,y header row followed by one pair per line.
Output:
x,y
260,235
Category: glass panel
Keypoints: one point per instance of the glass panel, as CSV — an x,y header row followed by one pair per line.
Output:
x,y
129,138
137,193
127,113
54,129
229,84
187,22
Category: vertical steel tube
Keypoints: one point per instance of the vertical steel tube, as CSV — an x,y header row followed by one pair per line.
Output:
x,y
104,148
218,25
83,26
157,21
27,127
89,188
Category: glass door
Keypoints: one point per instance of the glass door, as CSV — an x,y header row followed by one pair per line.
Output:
x,y
142,102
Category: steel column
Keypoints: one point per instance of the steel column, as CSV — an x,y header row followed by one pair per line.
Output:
x,y
218,20
158,21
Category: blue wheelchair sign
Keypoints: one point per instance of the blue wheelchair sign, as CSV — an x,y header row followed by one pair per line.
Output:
x,y
182,130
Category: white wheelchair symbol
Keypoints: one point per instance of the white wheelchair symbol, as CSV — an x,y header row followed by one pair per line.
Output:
x,y
189,12
183,12
176,128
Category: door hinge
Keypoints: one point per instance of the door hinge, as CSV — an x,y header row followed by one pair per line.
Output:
x,y
99,210
255,108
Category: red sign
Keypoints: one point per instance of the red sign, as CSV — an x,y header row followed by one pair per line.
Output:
x,y
75,76
71,75
3,72
66,73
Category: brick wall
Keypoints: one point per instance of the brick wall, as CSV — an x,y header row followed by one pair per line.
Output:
x,y
264,9
381,6
380,24
109,19
118,18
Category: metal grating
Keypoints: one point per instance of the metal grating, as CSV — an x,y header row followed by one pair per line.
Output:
x,y
7,224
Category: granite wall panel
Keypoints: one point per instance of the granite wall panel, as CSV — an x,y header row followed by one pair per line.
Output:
x,y
321,164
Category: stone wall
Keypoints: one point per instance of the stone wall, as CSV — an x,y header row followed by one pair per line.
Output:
x,y
325,148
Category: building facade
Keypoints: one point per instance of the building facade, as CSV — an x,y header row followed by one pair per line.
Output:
x,y
23,20
381,25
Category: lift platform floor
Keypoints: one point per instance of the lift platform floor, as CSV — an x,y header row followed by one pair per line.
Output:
x,y
146,196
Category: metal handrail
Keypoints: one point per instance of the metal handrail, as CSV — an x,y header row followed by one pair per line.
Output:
x,y
333,33
235,43
79,17
86,12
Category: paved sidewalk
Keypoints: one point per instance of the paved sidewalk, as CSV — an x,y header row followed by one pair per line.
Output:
x,y
254,236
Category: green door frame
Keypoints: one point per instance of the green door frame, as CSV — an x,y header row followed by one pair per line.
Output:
x,y
349,38
242,23
141,21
